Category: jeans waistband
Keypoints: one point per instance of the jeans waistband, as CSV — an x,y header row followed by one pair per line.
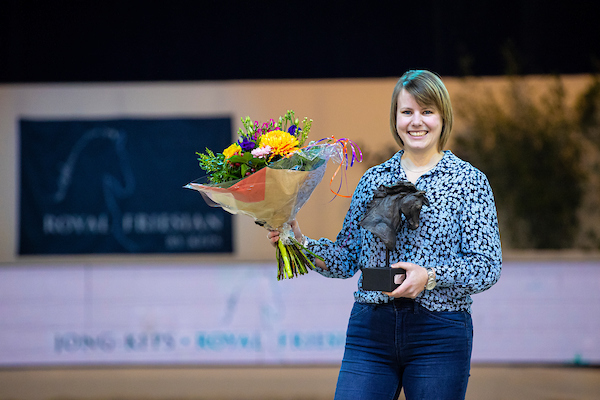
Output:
x,y
403,302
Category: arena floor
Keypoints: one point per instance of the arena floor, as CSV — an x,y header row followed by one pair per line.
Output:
x,y
488,382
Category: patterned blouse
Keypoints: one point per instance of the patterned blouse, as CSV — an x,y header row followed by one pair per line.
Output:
x,y
458,234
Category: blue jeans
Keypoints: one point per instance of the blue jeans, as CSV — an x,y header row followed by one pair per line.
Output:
x,y
403,345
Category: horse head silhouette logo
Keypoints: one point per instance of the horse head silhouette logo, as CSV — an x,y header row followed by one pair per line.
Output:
x,y
113,188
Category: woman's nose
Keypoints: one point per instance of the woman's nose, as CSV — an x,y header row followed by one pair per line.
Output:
x,y
417,119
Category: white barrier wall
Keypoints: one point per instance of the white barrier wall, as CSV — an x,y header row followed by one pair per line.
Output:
x,y
229,314
223,314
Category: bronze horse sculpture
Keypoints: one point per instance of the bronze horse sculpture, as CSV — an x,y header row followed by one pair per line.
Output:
x,y
384,213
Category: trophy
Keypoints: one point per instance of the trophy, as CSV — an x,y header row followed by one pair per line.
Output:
x,y
383,218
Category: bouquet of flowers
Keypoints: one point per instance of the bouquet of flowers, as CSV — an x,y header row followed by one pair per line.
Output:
x,y
269,174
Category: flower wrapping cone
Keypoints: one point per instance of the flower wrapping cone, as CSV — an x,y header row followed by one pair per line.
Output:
x,y
271,196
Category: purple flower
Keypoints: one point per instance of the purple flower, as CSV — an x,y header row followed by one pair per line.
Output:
x,y
246,144
292,129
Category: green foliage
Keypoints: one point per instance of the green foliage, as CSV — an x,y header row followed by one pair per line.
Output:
x,y
246,164
213,165
237,166
588,108
531,151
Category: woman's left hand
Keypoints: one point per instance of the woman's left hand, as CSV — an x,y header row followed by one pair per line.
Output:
x,y
414,282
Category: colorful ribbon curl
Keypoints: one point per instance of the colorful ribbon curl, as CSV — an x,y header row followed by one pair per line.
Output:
x,y
351,153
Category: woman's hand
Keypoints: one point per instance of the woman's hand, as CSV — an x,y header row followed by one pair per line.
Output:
x,y
412,284
273,236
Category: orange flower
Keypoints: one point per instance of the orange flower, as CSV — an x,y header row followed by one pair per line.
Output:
x,y
280,142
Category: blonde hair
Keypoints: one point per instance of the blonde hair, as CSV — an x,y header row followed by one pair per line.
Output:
x,y
428,90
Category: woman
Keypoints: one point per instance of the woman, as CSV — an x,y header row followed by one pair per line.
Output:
x,y
418,337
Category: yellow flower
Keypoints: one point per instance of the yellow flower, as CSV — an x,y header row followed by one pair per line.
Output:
x,y
281,143
232,150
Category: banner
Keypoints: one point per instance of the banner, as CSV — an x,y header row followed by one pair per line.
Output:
x,y
234,314
170,314
116,186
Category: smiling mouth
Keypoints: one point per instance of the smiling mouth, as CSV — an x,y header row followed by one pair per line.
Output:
x,y
417,133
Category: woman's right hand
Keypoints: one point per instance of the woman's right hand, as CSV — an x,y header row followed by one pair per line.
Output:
x,y
273,236
413,283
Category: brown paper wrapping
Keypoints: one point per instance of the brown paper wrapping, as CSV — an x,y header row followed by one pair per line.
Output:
x,y
270,196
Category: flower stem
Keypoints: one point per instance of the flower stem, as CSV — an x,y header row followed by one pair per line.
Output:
x,y
286,260
291,259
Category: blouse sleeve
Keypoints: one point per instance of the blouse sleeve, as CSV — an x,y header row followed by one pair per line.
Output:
x,y
342,255
477,265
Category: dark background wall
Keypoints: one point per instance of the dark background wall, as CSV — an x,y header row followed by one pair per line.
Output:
x,y
67,41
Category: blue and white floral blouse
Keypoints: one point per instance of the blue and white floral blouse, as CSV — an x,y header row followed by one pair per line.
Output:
x,y
458,234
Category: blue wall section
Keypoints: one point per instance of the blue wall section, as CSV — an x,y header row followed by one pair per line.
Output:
x,y
116,186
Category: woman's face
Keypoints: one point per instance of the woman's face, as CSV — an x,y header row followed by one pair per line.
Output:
x,y
419,127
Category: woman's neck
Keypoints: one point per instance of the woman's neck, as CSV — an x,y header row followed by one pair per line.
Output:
x,y
415,165
418,161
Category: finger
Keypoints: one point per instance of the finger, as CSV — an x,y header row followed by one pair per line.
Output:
x,y
396,293
273,236
402,264
406,289
270,234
